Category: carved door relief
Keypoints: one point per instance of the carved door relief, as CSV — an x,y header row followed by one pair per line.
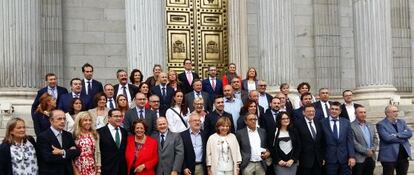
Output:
x,y
197,30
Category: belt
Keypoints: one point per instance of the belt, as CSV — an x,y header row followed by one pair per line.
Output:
x,y
199,163
255,161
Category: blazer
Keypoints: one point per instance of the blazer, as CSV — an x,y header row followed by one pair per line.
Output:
x,y
132,114
361,147
165,102
338,150
189,99
245,85
298,114
96,88
65,102
269,125
213,153
312,151
185,86
318,110
171,156
207,87
245,149
344,113
5,158
36,102
131,88
55,164
92,112
40,122
112,157
189,155
148,155
211,120
390,139
296,146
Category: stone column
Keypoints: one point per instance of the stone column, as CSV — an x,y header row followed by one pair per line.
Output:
x,y
145,25
238,49
52,42
373,56
276,41
20,45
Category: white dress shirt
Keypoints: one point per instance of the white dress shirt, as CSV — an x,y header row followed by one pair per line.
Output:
x,y
351,111
331,122
263,101
325,113
313,125
85,84
121,91
113,132
255,148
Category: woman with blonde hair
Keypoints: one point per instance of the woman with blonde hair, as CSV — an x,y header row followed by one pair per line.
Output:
x,y
87,141
173,80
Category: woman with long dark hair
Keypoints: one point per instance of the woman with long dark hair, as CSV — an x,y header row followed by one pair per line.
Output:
x,y
177,114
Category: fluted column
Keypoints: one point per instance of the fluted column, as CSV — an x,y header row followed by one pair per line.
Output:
x,y
238,47
19,45
373,62
52,42
145,25
276,41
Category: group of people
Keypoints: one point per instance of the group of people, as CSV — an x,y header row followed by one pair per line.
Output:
x,y
179,124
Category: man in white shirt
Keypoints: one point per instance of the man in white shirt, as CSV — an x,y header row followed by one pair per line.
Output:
x,y
129,90
348,107
264,98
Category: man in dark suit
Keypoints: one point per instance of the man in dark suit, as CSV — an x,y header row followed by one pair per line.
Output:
x,y
323,105
109,93
212,117
253,147
170,149
365,143
238,91
52,88
211,84
306,99
154,102
129,90
348,108
269,120
187,77
164,92
139,112
339,142
311,136
112,142
56,147
264,97
194,140
90,86
197,93
65,101
395,148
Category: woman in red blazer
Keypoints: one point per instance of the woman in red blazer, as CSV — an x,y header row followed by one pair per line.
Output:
x,y
141,152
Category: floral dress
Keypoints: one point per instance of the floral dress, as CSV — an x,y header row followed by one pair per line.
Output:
x,y
85,163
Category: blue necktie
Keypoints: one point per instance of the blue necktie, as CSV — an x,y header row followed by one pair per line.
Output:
x,y
335,129
110,104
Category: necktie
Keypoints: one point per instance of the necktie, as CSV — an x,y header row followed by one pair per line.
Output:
x,y
162,140
117,138
110,104
53,93
326,109
59,138
198,94
313,132
163,92
124,91
335,129
213,84
141,116
89,87
189,77
275,116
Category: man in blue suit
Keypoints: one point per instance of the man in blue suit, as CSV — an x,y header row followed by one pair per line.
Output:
x,y
52,88
323,105
212,85
164,92
339,142
395,148
65,102
90,86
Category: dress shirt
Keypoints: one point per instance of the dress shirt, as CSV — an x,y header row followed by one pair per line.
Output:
x,y
86,85
263,101
237,94
197,145
325,113
195,95
350,109
213,81
165,136
121,91
313,125
139,113
274,114
113,132
233,106
255,148
365,132
331,122
109,101
58,135
76,95
52,91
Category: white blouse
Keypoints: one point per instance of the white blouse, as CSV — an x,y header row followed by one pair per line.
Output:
x,y
175,124
69,123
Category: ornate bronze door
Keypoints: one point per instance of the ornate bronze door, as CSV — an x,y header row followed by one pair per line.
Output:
x,y
197,30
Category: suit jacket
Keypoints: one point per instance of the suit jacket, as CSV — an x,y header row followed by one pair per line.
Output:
x,y
189,99
269,125
211,120
243,113
56,164
390,139
207,87
132,114
171,156
338,150
131,88
312,151
5,158
361,146
60,92
189,155
96,88
319,110
344,113
165,102
112,158
65,102
245,149
185,86
245,86
298,113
